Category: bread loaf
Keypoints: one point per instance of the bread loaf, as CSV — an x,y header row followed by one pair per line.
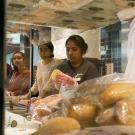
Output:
x,y
58,125
55,73
50,100
106,117
125,112
43,107
82,112
116,92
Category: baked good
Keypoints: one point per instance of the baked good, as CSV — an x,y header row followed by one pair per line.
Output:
x,y
115,92
83,111
55,73
58,125
45,106
49,101
125,112
106,117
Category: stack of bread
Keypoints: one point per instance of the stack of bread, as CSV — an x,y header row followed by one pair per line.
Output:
x,y
112,104
118,103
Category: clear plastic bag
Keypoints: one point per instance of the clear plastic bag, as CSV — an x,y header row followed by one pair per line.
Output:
x,y
125,111
105,92
47,108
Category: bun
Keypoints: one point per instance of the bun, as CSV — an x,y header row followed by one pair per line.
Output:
x,y
82,111
116,92
58,125
106,117
55,73
125,112
43,107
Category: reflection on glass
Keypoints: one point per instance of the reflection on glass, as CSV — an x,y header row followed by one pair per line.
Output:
x,y
18,71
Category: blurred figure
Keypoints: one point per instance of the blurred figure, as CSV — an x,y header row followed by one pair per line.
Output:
x,y
44,69
19,82
9,70
76,66
129,15
43,86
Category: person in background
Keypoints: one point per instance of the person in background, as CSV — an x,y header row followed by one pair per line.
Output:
x,y
45,67
19,82
129,15
76,66
9,71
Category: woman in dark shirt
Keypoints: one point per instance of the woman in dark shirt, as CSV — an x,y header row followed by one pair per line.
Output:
x,y
76,66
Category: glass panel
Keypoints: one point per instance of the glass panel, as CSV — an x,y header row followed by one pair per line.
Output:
x,y
18,78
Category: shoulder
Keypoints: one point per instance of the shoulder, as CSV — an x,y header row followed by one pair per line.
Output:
x,y
90,66
88,63
64,63
40,63
56,60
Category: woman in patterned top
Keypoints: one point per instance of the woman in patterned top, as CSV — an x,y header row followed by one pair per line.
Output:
x,y
19,83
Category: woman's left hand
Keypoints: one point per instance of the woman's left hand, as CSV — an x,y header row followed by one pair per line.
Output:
x,y
9,93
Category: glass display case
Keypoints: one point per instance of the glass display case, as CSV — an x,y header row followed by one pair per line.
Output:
x,y
55,20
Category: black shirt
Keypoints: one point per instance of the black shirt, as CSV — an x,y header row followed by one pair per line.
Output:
x,y
87,70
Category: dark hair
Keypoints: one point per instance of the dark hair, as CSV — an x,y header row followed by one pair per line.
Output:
x,y
79,41
24,58
49,46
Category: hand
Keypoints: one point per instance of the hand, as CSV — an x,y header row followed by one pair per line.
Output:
x,y
25,102
33,99
9,93
26,96
64,79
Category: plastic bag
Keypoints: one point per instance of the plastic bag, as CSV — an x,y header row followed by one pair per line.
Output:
x,y
49,107
82,110
105,92
125,111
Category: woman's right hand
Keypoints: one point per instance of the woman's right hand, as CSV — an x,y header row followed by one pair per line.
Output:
x,y
7,93
26,96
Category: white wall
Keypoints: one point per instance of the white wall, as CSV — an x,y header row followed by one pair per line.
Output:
x,y
92,38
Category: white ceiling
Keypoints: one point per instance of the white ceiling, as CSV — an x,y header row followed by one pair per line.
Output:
x,y
75,14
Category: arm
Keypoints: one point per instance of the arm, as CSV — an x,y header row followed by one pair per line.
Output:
x,y
48,89
34,88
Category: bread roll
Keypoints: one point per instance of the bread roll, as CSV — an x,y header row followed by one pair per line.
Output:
x,y
116,92
41,112
106,117
55,73
58,125
82,112
125,112
43,107
49,101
